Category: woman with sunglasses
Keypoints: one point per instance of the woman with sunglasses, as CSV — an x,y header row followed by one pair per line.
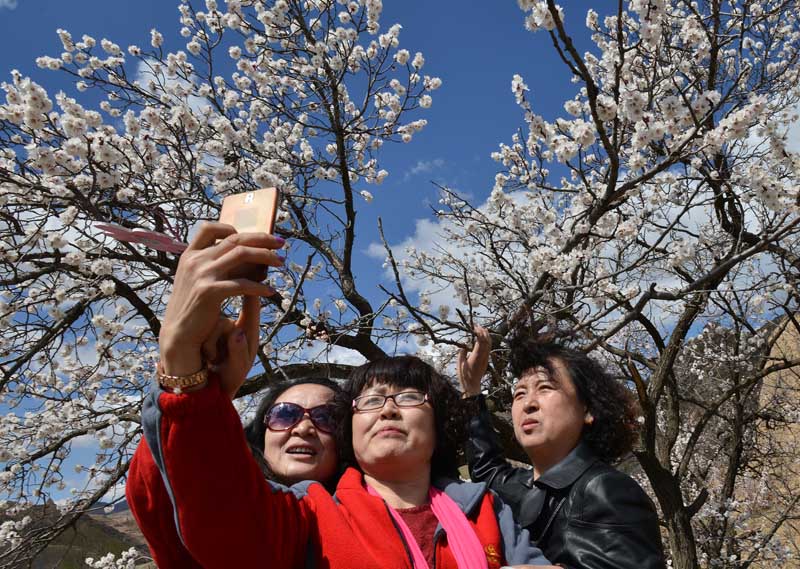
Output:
x,y
291,439
291,435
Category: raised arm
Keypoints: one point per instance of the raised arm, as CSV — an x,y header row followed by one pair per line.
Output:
x,y
150,501
226,514
472,365
194,459
485,456
213,268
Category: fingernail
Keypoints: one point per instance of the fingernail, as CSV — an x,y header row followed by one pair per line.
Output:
x,y
282,259
239,336
281,241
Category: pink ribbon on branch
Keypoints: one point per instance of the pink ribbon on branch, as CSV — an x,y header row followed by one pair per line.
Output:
x,y
151,239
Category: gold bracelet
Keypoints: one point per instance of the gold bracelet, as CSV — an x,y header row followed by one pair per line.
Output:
x,y
180,382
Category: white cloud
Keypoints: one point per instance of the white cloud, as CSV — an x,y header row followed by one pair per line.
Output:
x,y
85,441
429,237
322,352
754,140
10,4
424,167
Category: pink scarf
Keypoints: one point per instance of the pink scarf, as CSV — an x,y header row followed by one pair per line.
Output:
x,y
464,544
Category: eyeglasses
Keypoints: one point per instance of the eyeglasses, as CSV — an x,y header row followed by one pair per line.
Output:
x,y
402,399
284,416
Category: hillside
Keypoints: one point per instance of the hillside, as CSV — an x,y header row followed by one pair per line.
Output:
x,y
94,535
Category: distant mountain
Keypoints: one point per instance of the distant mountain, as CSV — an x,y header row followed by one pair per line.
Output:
x,y
94,535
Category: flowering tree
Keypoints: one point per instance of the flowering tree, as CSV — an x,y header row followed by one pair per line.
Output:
x,y
288,93
658,221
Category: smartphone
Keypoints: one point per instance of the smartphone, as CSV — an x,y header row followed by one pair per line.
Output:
x,y
251,211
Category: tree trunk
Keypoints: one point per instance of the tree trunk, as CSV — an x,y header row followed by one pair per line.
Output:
x,y
681,539
677,516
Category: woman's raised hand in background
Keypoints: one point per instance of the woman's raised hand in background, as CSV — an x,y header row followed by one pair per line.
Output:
x,y
471,366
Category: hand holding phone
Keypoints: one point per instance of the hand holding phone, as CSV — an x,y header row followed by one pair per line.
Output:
x,y
193,311
248,212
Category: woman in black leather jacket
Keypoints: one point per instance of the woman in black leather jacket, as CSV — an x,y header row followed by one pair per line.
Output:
x,y
573,420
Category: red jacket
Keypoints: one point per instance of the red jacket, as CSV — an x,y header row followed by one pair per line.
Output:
x,y
226,515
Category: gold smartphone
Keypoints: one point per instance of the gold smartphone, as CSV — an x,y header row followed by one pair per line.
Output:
x,y
251,211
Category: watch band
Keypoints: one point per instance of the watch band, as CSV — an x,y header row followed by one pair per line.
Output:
x,y
180,382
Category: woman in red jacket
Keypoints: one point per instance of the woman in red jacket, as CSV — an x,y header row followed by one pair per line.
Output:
x,y
291,437
227,515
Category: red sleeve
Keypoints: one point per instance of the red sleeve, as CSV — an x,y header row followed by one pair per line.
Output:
x,y
227,514
152,509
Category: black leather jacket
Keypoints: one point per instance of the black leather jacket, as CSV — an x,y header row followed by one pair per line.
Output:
x,y
583,513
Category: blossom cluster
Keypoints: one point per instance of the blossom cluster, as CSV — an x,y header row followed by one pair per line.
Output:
x,y
126,560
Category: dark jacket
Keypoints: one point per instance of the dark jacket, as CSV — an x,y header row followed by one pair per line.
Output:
x,y
582,513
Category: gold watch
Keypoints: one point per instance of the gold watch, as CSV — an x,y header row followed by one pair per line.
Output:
x,y
180,382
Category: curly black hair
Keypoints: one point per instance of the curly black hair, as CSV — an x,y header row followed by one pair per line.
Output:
x,y
615,428
408,372
256,429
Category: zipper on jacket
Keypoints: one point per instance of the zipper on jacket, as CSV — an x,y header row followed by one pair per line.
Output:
x,y
550,521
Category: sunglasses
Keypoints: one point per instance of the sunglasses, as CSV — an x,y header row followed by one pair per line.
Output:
x,y
284,416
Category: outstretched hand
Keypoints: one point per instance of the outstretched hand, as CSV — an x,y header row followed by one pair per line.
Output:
x,y
210,270
471,366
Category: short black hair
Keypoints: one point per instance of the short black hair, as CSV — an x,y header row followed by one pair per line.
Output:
x,y
615,428
256,429
408,372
